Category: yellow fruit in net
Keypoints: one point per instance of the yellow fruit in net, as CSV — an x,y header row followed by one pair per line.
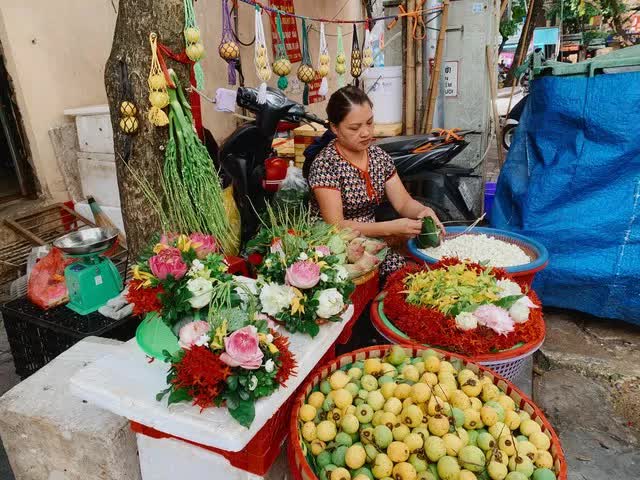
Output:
x,y
398,452
316,399
157,81
402,391
262,51
192,34
264,73
262,61
341,68
543,459
540,440
157,117
307,413
372,366
317,447
326,430
229,51
159,99
195,51
282,67
129,125
324,59
323,70
341,58
309,431
342,398
529,427
355,456
128,109
338,380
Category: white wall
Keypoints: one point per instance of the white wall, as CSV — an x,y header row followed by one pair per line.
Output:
x,y
56,51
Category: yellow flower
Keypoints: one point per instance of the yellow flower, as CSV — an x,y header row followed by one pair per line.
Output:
x,y
273,349
184,244
144,277
218,338
159,247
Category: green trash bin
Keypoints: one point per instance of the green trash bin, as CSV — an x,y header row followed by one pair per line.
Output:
x,y
614,62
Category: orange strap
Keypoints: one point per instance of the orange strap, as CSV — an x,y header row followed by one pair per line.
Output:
x,y
364,175
416,16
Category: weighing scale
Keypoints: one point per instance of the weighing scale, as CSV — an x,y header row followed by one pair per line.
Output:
x,y
93,279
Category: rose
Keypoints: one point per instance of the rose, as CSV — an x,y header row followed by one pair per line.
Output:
x,y
508,288
519,311
323,251
275,298
169,238
303,275
168,262
495,318
203,244
341,273
255,259
466,321
194,334
201,292
242,349
330,303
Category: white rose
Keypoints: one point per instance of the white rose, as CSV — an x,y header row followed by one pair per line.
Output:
x,y
324,277
509,288
201,292
330,303
519,311
202,340
246,286
466,321
269,366
303,256
341,273
275,298
253,383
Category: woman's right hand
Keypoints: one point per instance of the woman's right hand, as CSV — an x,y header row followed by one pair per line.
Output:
x,y
405,227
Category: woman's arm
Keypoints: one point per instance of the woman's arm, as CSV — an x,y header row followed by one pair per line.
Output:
x,y
404,204
330,202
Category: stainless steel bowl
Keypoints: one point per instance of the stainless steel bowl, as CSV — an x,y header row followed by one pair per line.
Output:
x,y
90,240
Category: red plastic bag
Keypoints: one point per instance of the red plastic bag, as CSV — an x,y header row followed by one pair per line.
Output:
x,y
47,287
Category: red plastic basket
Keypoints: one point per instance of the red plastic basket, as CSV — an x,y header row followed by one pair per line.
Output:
x,y
300,469
366,290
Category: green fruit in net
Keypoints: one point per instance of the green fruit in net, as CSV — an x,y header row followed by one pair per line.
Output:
x,y
355,373
323,459
458,417
543,474
516,476
448,468
338,456
375,400
350,424
396,355
371,452
486,441
382,436
499,409
325,473
369,382
385,379
352,388
419,461
363,471
325,387
522,464
472,458
473,437
364,413
343,438
497,471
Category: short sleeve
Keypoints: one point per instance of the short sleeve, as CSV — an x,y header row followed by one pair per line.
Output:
x,y
323,173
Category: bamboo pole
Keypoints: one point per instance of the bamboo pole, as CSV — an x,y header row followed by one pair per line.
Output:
x,y
434,80
493,84
419,72
410,73
503,7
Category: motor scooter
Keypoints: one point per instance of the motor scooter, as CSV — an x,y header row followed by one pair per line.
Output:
x,y
420,160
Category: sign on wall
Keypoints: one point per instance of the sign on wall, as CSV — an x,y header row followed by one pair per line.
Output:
x,y
289,28
450,78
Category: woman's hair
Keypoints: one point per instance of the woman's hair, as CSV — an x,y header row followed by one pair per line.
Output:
x,y
339,106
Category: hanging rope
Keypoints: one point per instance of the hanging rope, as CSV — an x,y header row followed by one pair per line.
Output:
x,y
228,48
305,73
193,45
323,63
416,19
281,64
341,59
158,96
261,57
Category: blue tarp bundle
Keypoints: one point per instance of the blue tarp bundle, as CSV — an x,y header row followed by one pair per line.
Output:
x,y
572,182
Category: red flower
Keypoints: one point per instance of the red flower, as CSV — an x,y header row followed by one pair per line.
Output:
x,y
144,300
255,259
429,326
286,359
202,374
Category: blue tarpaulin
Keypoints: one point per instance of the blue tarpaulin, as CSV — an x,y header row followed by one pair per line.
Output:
x,y
572,182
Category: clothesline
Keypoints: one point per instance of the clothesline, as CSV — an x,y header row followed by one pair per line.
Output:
x,y
414,14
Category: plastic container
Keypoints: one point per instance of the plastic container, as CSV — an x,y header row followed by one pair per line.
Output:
x,y
384,87
489,196
300,469
523,274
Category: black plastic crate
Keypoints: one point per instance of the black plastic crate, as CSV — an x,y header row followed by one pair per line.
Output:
x,y
38,336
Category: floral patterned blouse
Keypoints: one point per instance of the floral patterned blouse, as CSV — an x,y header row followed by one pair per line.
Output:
x,y
361,190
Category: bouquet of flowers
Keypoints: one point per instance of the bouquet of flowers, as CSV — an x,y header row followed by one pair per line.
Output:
x,y
179,277
233,359
463,307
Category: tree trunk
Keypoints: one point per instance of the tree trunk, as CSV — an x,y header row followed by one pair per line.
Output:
x,y
537,18
136,20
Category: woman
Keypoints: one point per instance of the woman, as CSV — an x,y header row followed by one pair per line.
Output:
x,y
350,177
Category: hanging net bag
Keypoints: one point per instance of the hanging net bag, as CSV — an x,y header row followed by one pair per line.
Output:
x,y
341,60
323,63
193,46
228,48
367,50
306,74
158,96
356,57
261,57
281,65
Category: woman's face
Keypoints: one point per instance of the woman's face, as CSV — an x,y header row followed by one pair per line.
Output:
x,y
355,132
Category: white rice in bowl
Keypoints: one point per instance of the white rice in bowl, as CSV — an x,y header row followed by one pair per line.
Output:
x,y
480,249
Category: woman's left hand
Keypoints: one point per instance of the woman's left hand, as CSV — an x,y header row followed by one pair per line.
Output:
x,y
428,212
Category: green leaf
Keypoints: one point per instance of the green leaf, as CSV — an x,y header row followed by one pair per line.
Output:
x,y
179,395
507,302
232,400
244,395
232,383
162,394
312,328
244,413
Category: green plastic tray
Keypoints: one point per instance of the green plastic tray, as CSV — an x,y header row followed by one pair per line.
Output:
x,y
154,337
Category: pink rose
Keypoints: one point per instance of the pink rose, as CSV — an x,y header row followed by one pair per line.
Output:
x,y
194,333
304,275
495,318
203,244
168,238
242,349
168,262
323,250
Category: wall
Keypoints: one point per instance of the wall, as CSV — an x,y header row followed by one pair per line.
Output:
x,y
56,51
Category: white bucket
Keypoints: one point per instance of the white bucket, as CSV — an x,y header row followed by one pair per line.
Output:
x,y
384,87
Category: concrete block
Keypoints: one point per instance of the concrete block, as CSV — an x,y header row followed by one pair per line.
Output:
x,y
95,133
51,435
65,145
99,179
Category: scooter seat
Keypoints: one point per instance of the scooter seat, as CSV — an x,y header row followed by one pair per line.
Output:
x,y
405,144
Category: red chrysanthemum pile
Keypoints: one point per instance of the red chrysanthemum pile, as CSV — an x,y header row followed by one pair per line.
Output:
x,y
202,374
431,327
288,364
144,300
